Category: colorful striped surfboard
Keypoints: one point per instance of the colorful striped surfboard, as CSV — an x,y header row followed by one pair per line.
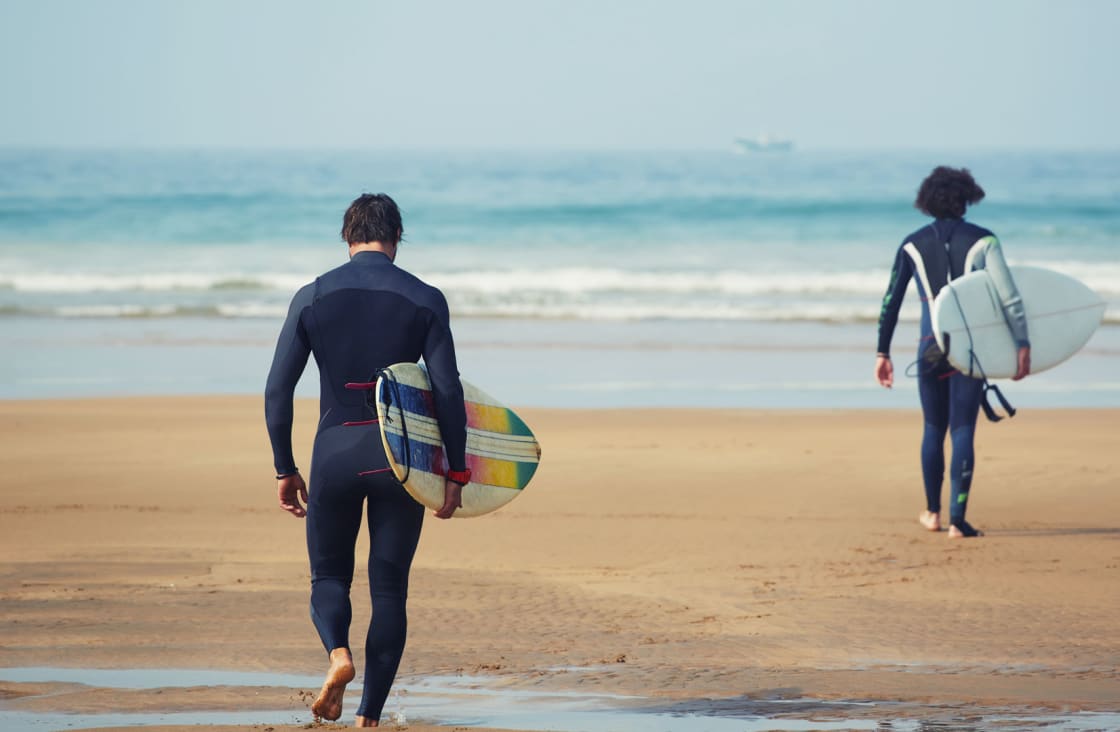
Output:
x,y
502,452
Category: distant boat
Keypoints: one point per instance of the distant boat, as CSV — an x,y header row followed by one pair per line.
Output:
x,y
763,143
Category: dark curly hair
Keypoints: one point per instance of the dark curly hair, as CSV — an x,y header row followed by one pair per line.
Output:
x,y
372,217
947,192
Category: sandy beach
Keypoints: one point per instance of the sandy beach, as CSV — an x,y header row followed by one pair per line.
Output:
x,y
671,555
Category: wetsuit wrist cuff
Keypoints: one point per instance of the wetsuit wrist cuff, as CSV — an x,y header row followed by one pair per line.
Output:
x,y
280,474
462,477
883,355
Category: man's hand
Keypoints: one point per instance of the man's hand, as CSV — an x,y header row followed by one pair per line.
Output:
x,y
452,499
884,371
1024,363
290,490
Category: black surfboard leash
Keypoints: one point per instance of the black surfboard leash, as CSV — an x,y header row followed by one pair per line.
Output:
x,y
989,387
369,389
393,393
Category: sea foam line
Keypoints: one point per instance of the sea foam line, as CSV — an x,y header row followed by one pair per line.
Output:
x,y
603,312
1103,277
85,282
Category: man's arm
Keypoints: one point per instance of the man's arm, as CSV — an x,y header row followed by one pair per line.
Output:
x,y
447,390
447,393
990,259
901,273
292,349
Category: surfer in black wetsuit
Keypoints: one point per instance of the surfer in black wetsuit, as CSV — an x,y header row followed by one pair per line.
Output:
x,y
941,251
357,319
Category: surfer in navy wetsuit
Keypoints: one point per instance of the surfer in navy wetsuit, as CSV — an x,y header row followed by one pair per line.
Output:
x,y
357,319
941,251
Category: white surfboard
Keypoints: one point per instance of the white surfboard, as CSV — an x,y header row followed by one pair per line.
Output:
x,y
969,325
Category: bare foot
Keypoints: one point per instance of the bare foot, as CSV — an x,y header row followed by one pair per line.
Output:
x,y
361,721
964,531
341,673
930,520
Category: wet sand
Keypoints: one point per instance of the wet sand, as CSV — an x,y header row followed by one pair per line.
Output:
x,y
674,555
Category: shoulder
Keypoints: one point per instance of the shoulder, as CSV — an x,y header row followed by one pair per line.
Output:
x,y
917,235
304,297
386,277
974,231
420,291
916,240
341,272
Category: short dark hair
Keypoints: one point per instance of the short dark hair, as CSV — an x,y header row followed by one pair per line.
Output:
x,y
372,217
947,192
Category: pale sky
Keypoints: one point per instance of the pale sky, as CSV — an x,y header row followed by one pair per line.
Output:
x,y
589,74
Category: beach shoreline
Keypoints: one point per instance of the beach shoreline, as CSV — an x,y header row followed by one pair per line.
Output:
x,y
672,554
537,363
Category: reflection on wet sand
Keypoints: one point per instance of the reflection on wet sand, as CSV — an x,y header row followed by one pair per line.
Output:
x,y
97,698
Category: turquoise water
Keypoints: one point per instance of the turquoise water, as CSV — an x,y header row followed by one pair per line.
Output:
x,y
148,267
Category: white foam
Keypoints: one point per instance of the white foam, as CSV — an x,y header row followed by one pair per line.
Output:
x,y
251,310
222,310
113,311
1102,277
86,282
584,293
676,310
574,281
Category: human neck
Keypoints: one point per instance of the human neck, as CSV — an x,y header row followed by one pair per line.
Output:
x,y
389,250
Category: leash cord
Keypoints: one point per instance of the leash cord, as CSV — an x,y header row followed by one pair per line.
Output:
x,y
388,379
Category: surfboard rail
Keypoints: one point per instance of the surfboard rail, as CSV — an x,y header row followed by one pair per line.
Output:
x,y
502,452
971,329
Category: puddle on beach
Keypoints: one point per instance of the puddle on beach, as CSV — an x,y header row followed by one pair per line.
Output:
x,y
476,701
155,678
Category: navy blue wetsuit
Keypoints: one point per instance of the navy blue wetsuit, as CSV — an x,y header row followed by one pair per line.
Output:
x,y
356,319
935,254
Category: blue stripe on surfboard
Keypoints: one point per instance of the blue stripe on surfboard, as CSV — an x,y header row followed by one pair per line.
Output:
x,y
410,399
426,457
419,401
493,445
430,458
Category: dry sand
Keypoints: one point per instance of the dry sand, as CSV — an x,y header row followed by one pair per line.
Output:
x,y
677,554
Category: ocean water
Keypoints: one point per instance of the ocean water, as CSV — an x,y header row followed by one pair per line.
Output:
x,y
703,278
